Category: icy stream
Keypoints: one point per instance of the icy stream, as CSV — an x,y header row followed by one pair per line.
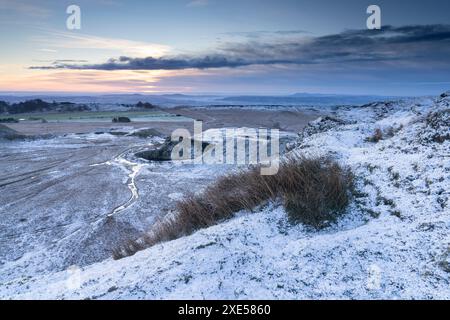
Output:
x,y
132,169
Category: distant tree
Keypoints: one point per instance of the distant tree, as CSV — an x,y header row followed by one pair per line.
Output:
x,y
35,105
3,107
8,120
145,105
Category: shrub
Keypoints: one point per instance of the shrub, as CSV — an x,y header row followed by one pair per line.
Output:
x,y
313,191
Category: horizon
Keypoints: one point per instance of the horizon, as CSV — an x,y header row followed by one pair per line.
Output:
x,y
200,94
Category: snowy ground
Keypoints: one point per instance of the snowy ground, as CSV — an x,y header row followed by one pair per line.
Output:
x,y
70,200
393,243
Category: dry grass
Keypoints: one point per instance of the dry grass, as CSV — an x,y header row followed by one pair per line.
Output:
x,y
388,132
376,137
313,191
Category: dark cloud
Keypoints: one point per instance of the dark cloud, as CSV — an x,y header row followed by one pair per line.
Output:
x,y
424,44
174,63
262,33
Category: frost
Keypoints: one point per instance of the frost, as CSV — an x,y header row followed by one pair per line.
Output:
x,y
392,244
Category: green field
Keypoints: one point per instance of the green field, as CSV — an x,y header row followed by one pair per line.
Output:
x,y
100,116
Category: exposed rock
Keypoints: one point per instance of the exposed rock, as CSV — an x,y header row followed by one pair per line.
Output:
x,y
164,152
321,125
437,127
121,120
118,133
445,261
382,110
146,133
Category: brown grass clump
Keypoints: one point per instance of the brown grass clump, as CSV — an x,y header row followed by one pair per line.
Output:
x,y
314,192
376,137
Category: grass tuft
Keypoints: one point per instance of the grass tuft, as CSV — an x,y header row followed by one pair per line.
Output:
x,y
314,191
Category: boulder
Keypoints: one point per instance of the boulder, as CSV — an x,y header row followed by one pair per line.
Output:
x,y
164,152
121,120
146,133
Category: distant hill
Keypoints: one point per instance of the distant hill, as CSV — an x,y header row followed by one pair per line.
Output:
x,y
305,99
123,102
39,106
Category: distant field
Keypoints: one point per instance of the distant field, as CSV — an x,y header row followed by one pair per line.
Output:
x,y
100,116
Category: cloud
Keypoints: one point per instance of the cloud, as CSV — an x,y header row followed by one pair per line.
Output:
x,y
265,33
48,50
413,45
68,61
68,40
150,63
198,3
26,8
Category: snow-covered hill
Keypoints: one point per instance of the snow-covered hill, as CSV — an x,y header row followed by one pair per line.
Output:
x,y
393,243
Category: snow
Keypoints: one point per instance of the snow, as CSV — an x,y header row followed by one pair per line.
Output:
x,y
393,243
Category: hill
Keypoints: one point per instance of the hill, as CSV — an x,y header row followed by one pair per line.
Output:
x,y
392,243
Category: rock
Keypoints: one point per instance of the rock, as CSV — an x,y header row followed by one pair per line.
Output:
x,y
118,133
437,127
145,133
164,152
112,289
121,120
321,125
445,261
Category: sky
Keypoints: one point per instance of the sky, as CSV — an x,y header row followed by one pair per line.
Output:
x,y
262,47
